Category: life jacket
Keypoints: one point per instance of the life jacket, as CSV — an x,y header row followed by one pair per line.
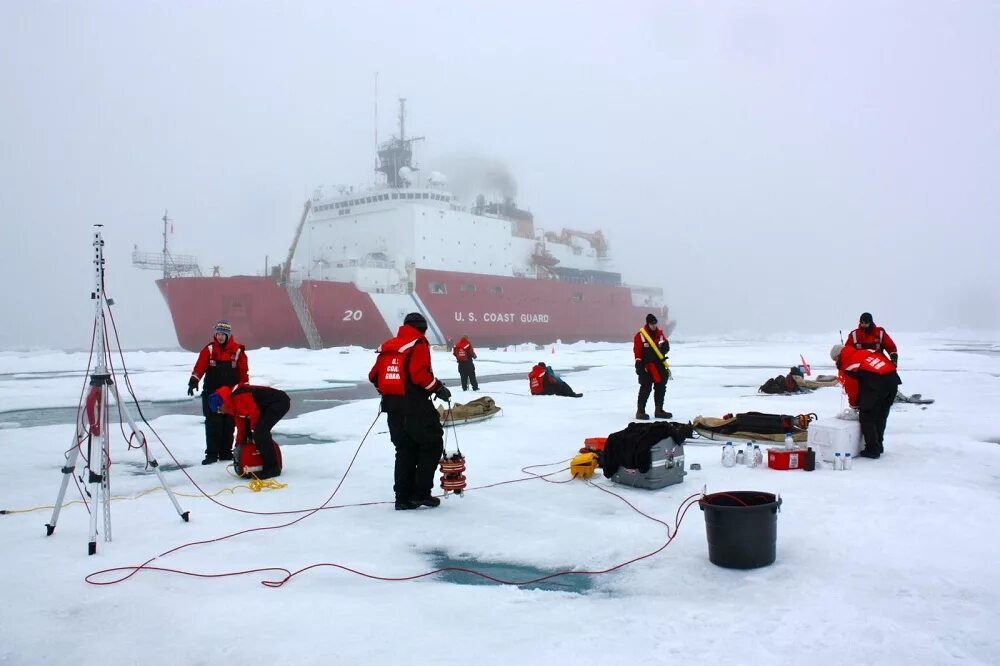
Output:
x,y
463,350
874,339
536,379
221,365
391,372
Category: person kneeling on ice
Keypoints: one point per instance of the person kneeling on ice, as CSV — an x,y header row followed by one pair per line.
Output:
x,y
870,380
256,410
542,380
403,376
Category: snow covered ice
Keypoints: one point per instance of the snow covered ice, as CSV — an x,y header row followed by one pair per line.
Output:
x,y
892,562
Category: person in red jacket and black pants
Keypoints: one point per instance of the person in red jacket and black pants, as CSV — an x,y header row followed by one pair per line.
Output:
x,y
256,410
222,362
464,354
403,376
874,338
870,380
651,367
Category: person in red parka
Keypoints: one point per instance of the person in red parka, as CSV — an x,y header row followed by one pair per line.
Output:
x,y
256,410
543,380
464,354
869,336
870,380
403,376
222,362
651,347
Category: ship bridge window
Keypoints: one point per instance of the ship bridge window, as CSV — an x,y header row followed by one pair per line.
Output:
x,y
426,196
578,297
467,286
438,288
395,196
497,290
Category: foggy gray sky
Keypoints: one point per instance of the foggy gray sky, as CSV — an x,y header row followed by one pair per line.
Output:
x,y
775,166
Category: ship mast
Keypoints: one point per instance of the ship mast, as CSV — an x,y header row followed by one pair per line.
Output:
x,y
397,152
166,254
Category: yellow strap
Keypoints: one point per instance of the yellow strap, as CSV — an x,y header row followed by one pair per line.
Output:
x,y
656,350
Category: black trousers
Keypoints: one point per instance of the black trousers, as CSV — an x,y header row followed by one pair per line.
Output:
x,y
269,417
559,388
876,393
467,371
417,434
218,430
647,386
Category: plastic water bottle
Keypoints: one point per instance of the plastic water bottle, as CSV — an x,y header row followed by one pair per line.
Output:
x,y
789,441
838,461
749,456
847,461
739,457
758,456
728,455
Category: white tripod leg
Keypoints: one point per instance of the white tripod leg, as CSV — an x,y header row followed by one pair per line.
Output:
x,y
141,437
69,467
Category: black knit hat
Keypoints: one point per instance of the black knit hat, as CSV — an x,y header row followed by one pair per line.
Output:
x,y
651,318
417,321
866,318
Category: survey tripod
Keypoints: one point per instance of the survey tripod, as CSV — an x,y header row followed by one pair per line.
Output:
x,y
92,422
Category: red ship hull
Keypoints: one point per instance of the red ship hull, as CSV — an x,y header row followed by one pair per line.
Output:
x,y
258,308
491,310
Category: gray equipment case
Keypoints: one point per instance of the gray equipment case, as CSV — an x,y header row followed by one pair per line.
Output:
x,y
666,469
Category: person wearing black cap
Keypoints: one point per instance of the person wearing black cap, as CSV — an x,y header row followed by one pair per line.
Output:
x,y
874,338
222,362
403,376
651,348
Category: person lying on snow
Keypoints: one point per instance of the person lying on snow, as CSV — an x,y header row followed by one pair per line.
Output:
x,y
542,380
256,410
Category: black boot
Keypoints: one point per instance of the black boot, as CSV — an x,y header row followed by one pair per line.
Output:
x,y
641,415
431,502
660,414
406,505
209,459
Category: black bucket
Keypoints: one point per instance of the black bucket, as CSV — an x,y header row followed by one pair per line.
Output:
x,y
742,528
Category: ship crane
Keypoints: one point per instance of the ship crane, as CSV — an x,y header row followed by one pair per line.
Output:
x,y
286,268
596,240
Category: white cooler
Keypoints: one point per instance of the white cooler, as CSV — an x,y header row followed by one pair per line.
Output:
x,y
835,436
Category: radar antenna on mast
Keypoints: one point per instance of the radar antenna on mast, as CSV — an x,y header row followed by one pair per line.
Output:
x,y
172,265
397,152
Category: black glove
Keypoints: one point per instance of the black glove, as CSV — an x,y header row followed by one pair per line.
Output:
x,y
192,386
894,357
638,367
443,393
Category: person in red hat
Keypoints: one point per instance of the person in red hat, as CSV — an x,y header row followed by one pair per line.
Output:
x,y
465,354
403,376
222,362
256,410
650,347
870,380
874,338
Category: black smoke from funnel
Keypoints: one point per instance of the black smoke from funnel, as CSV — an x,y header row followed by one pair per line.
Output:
x,y
469,175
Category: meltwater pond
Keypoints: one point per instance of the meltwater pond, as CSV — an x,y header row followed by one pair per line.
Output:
x,y
303,402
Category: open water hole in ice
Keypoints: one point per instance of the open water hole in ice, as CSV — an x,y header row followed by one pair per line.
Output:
x,y
508,571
